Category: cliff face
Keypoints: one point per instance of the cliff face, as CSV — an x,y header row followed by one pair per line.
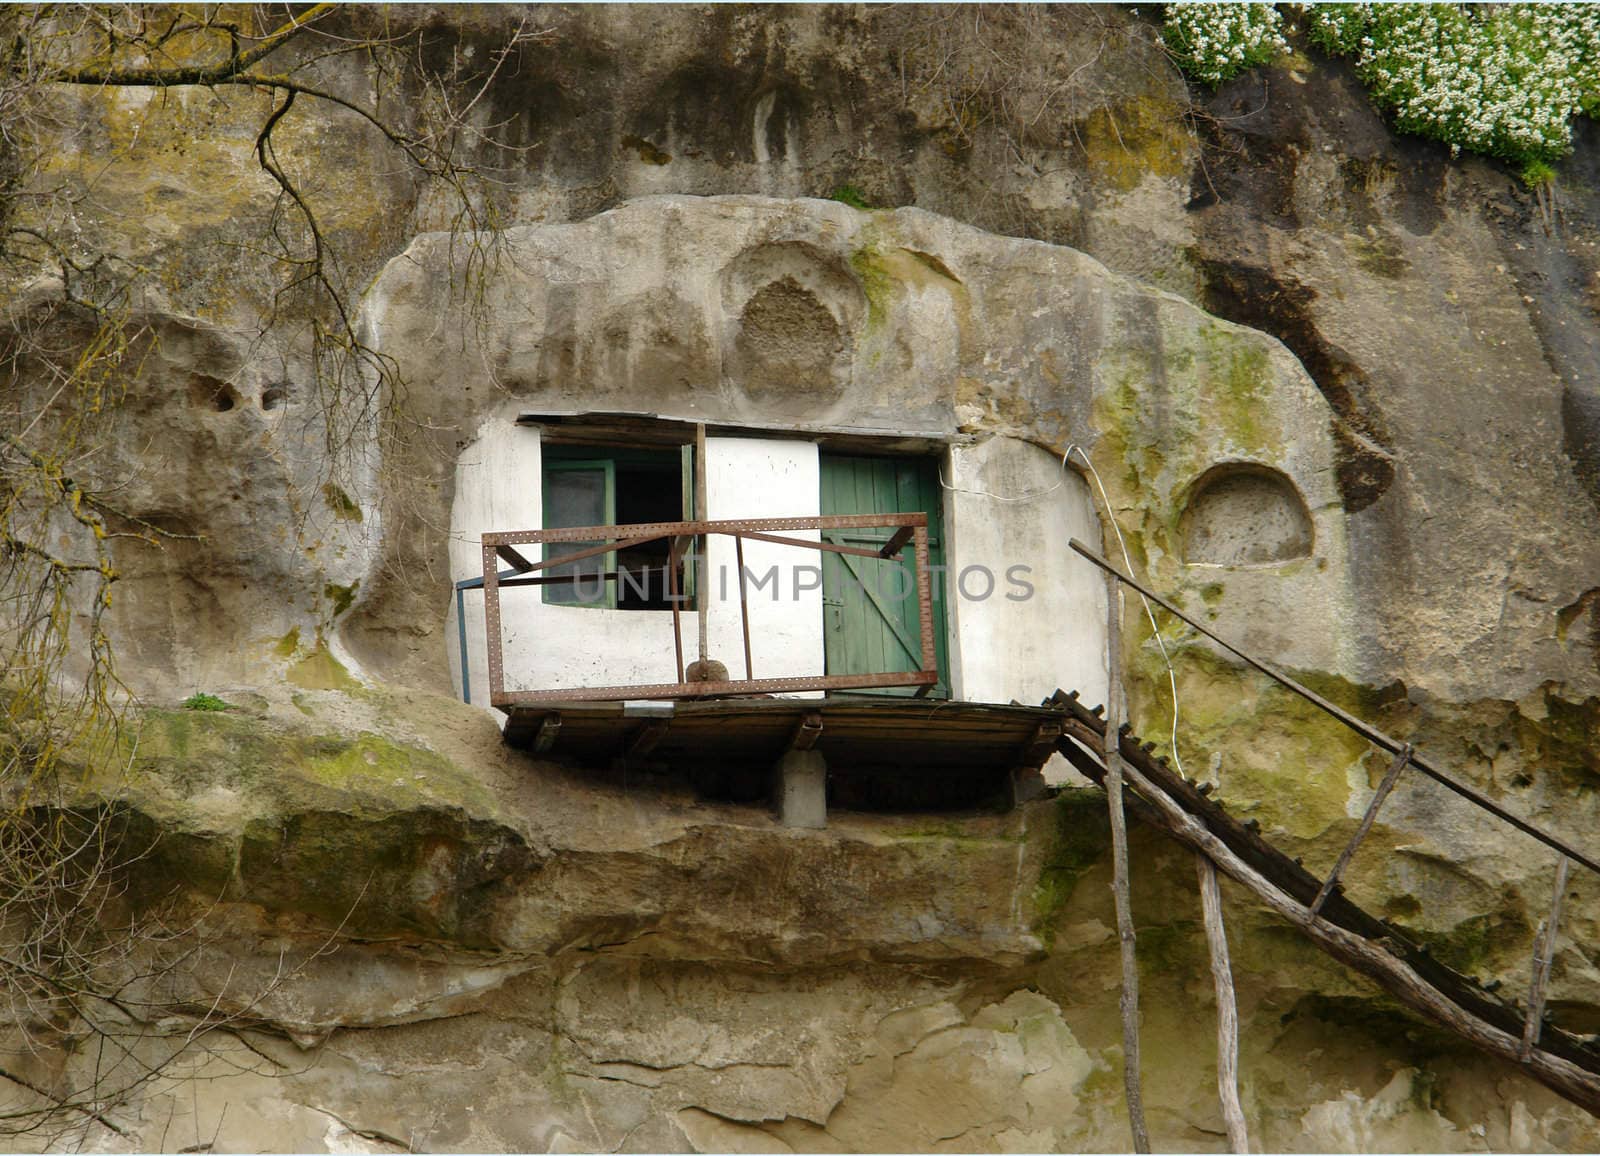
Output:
x,y
429,940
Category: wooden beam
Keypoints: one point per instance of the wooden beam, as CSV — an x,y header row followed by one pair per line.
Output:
x,y
807,731
1129,1002
1543,954
549,730
1371,733
1041,746
1227,1006
1391,776
1413,979
1562,1076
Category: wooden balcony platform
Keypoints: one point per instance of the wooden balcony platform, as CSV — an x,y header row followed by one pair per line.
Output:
x,y
895,736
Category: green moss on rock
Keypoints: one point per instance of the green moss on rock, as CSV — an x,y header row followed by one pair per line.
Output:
x,y
342,505
1142,137
1081,835
339,597
1283,761
320,670
381,836
182,756
877,284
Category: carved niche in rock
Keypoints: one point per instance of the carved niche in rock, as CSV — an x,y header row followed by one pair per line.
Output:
x,y
790,310
1245,515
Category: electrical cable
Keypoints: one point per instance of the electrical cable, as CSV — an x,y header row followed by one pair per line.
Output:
x,y
1105,504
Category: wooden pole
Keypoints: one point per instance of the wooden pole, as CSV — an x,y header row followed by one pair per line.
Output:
x,y
1129,1002
1560,1075
1543,954
702,589
1227,1007
1389,779
1370,733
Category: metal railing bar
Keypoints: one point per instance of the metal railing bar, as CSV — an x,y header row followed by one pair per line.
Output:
x,y
896,542
592,551
502,538
672,597
908,526
744,606
477,583
510,555
829,547
1371,733
461,631
712,689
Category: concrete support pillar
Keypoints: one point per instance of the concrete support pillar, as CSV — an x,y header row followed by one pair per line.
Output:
x,y
803,789
1026,784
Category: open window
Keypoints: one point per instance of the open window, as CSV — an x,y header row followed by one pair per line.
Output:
x,y
611,486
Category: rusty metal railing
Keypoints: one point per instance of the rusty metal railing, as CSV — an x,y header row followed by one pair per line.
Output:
x,y
909,528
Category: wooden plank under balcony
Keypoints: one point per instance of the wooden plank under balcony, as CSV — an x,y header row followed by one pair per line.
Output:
x,y
915,736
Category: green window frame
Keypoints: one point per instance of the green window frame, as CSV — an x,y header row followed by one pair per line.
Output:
x,y
572,594
604,461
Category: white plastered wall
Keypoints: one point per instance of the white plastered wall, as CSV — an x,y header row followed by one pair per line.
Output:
x,y
1011,642
765,478
1018,643
499,487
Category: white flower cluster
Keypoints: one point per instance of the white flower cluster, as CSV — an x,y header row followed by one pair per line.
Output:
x,y
1214,42
1336,28
1496,79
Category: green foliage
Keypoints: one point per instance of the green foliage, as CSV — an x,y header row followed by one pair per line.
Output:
x,y
1337,28
1215,42
205,701
1501,80
1537,173
848,194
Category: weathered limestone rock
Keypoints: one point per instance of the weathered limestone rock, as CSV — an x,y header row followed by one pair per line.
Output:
x,y
532,958
510,955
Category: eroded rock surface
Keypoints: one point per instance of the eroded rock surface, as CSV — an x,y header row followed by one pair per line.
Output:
x,y
433,942
487,952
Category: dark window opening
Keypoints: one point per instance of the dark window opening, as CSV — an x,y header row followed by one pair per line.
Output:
x,y
611,486
647,494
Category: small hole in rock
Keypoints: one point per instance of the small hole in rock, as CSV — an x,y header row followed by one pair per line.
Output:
x,y
210,393
274,396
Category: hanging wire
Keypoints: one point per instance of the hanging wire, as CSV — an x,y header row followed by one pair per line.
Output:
x,y
1122,545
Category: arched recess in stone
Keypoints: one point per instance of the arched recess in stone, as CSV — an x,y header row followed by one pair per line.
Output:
x,y
790,311
1244,514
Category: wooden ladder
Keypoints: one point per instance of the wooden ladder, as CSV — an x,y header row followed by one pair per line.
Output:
x,y
1567,1063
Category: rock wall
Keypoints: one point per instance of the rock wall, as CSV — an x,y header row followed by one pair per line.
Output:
x,y
430,941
